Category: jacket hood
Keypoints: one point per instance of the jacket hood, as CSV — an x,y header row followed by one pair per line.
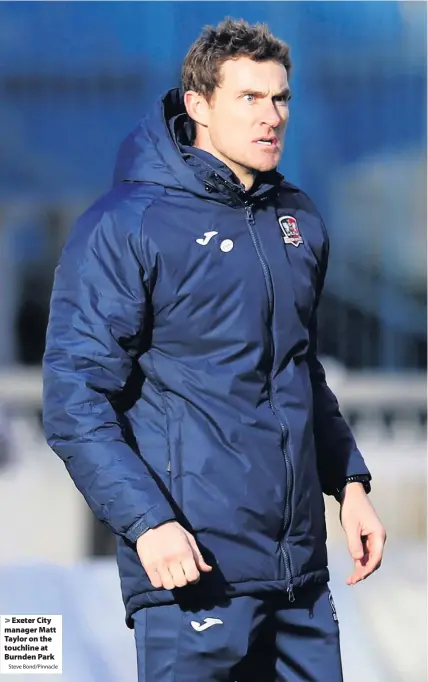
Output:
x,y
159,151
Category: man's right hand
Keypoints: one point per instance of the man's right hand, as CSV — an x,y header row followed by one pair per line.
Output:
x,y
170,556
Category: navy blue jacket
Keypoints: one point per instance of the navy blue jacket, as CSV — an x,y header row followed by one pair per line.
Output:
x,y
181,378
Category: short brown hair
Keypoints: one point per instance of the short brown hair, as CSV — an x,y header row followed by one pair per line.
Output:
x,y
230,39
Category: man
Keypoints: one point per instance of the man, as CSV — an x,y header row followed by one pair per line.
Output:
x,y
182,387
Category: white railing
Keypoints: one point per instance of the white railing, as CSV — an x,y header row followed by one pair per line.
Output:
x,y
386,412
21,387
379,407
360,392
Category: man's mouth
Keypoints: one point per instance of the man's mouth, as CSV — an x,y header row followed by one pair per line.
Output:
x,y
267,141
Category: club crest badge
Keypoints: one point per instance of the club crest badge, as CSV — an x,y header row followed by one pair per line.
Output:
x,y
290,230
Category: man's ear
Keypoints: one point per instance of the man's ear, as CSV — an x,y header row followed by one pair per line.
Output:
x,y
197,107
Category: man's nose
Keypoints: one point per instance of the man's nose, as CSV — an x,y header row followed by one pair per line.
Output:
x,y
272,117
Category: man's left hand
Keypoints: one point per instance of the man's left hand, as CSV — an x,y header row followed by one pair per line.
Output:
x,y
365,533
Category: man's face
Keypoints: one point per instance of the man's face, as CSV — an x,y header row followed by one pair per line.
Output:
x,y
248,113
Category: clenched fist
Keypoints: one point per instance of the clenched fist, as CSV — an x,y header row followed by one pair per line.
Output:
x,y
170,556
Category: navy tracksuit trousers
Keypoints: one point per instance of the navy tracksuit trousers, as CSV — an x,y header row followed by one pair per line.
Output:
x,y
247,639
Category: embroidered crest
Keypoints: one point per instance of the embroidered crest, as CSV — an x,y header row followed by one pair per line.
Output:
x,y
290,230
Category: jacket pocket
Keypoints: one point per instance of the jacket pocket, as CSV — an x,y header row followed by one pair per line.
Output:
x,y
174,436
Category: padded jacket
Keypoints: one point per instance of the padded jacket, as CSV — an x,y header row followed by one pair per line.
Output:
x,y
181,377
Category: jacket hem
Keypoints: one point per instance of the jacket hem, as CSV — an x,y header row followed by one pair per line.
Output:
x,y
162,597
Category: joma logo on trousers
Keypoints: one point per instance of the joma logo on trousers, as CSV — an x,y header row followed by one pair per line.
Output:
x,y
208,623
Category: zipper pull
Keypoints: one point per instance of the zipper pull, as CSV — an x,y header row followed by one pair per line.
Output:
x,y
290,592
249,213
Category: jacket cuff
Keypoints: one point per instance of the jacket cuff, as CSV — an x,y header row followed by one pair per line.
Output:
x,y
364,479
154,517
336,476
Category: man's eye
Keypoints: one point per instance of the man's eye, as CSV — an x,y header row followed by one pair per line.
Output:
x,y
249,98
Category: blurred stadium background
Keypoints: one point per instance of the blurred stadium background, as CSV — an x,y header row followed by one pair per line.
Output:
x,y
74,78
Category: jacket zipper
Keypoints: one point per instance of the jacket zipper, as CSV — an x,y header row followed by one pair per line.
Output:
x,y
284,426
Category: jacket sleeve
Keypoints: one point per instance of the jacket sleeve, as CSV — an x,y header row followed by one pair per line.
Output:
x,y
97,325
337,454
